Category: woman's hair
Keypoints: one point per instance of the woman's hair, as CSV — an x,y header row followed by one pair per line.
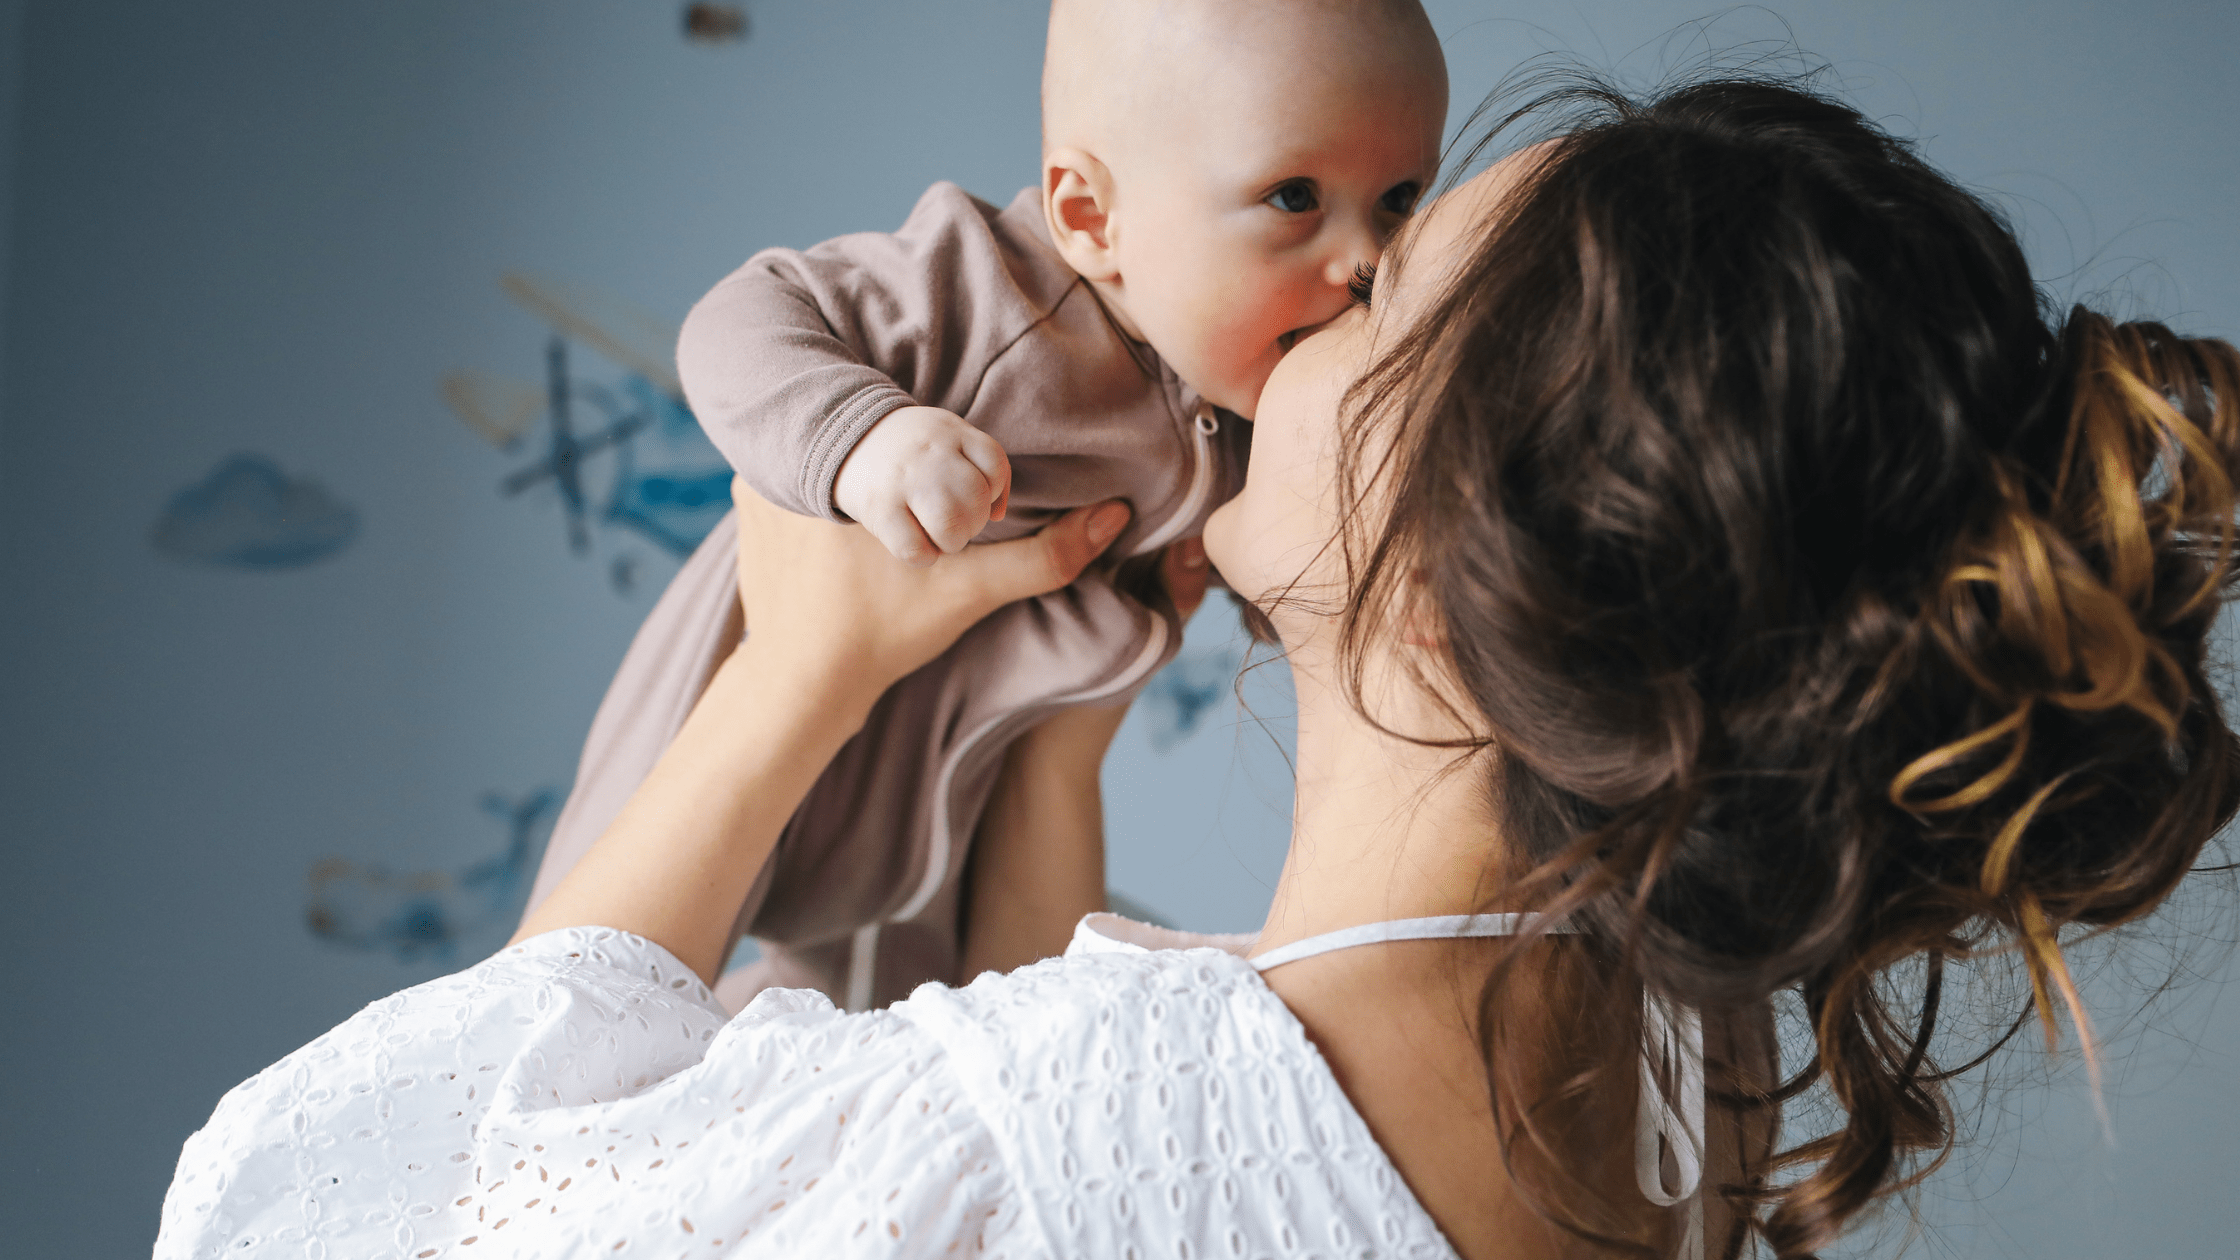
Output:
x,y
1831,610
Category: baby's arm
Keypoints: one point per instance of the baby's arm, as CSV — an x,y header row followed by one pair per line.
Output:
x,y
863,353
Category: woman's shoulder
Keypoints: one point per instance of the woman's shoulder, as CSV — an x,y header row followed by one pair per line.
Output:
x,y
1119,985
583,1090
1130,997
1162,1093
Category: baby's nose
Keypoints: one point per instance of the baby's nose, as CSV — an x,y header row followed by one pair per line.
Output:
x,y
1340,270
1351,252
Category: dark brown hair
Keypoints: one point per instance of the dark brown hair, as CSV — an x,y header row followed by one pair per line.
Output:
x,y
1828,607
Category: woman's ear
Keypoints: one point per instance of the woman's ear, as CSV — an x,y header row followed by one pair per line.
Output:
x,y
1077,199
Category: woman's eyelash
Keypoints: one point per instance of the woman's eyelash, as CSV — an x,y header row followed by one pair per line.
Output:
x,y
1363,284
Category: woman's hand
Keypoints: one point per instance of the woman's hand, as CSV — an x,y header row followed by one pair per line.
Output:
x,y
828,600
833,620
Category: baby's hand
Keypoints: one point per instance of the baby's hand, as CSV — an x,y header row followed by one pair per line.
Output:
x,y
924,482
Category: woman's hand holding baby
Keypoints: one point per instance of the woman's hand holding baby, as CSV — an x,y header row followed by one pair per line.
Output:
x,y
832,622
823,603
924,483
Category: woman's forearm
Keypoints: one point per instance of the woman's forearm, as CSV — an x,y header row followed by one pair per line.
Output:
x,y
1038,858
834,622
680,858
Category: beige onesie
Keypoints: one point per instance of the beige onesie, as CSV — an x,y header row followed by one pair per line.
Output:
x,y
786,363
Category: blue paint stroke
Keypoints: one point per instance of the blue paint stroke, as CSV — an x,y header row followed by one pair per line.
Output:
x,y
673,420
247,514
1177,698
566,452
674,510
673,506
368,907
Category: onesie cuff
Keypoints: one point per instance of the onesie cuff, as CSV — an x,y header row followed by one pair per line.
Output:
x,y
837,436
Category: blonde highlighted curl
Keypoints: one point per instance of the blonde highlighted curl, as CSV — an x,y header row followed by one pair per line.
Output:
x,y
1829,614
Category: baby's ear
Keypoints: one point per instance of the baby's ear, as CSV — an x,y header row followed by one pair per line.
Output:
x,y
1077,200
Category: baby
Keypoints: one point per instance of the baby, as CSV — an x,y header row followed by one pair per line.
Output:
x,y
1215,173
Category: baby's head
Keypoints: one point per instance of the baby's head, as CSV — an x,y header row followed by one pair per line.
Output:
x,y
1220,168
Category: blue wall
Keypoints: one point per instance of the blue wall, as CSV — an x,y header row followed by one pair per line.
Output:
x,y
11,96
268,226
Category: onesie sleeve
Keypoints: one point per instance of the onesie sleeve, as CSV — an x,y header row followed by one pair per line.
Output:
x,y
791,358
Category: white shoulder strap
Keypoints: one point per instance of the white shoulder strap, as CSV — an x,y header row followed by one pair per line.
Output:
x,y
1673,1052
1439,928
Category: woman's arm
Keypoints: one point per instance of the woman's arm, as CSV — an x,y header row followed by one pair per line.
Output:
x,y
1038,858
684,852
834,620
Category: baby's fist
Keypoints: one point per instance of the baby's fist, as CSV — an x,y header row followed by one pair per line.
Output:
x,y
924,482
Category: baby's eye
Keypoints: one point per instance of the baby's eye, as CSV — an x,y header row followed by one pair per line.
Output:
x,y
1296,197
1400,198
1363,284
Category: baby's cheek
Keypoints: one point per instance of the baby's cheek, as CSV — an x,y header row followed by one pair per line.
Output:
x,y
1252,382
1243,339
1234,312
1230,376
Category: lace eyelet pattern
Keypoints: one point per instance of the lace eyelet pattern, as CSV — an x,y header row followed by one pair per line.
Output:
x,y
582,1094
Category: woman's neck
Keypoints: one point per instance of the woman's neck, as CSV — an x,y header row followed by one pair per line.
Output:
x,y
1382,827
1385,828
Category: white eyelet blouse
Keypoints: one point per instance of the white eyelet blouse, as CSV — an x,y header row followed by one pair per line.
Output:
x,y
582,1095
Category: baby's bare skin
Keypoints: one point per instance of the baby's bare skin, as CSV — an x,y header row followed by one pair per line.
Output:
x,y
924,482
1218,170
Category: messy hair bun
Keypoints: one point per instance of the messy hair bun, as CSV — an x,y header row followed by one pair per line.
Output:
x,y
1829,611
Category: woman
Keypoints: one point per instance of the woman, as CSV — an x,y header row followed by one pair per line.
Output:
x,y
1704,573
